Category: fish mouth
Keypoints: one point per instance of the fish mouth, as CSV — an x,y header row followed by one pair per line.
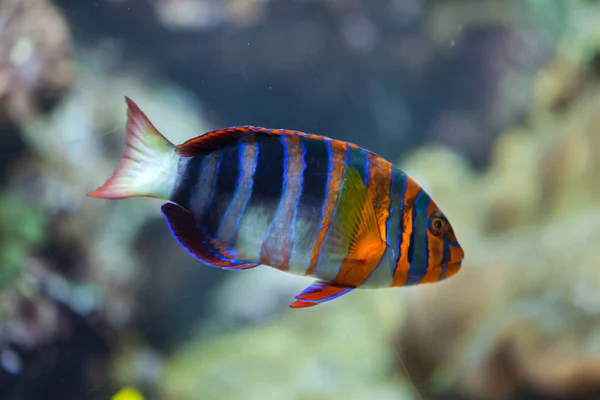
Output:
x,y
450,269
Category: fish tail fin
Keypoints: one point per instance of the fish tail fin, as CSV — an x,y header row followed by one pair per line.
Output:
x,y
149,163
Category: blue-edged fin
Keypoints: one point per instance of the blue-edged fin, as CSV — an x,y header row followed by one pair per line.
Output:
x,y
319,292
354,234
185,230
303,304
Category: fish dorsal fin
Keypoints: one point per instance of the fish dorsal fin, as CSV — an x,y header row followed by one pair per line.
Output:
x,y
213,140
183,226
354,232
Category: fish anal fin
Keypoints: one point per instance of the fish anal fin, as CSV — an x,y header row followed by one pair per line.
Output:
x,y
354,233
183,227
319,292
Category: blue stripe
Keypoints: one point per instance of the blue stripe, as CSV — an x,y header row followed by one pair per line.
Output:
x,y
359,160
283,159
222,188
188,172
214,181
393,206
446,256
400,225
367,169
297,199
248,194
241,151
314,190
445,259
336,268
452,242
389,218
245,196
268,182
425,227
417,252
411,245
236,192
286,161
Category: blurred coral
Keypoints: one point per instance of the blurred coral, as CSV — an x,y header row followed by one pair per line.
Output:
x,y
522,318
317,355
66,282
96,296
35,65
388,75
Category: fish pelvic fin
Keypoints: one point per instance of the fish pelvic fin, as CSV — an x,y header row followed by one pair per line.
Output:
x,y
149,163
317,293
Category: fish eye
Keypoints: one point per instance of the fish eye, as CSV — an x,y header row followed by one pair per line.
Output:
x,y
438,224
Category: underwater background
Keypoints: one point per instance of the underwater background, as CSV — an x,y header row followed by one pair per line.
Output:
x,y
492,106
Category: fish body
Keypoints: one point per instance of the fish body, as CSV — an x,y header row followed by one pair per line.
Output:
x,y
304,204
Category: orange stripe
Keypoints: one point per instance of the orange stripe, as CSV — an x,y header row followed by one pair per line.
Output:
x,y
403,266
378,191
452,237
435,247
294,188
380,180
456,253
338,155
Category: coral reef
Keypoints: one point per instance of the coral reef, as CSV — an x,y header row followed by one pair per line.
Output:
x,y
35,66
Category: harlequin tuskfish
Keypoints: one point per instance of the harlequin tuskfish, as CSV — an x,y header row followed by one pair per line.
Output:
x,y
309,205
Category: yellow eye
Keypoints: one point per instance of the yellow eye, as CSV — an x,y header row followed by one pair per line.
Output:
x,y
438,225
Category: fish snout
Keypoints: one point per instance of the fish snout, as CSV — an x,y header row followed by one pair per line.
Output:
x,y
454,265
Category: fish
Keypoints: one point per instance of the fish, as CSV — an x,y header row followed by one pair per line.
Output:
x,y
305,204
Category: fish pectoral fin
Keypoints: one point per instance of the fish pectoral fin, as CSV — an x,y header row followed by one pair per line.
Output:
x,y
319,292
206,249
354,233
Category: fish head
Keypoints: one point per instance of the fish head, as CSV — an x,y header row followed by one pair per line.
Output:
x,y
453,255
436,243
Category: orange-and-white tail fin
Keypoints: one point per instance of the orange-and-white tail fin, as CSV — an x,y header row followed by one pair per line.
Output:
x,y
149,164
